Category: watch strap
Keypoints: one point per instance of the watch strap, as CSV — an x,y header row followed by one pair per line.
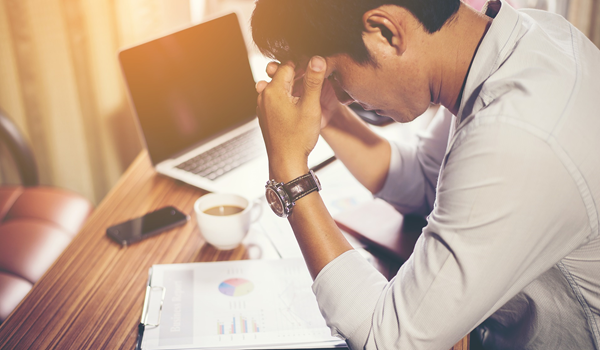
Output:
x,y
302,186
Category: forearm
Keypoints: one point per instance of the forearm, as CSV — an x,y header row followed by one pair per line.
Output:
x,y
290,126
318,236
363,152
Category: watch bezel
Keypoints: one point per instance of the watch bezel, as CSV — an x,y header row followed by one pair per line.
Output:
x,y
282,196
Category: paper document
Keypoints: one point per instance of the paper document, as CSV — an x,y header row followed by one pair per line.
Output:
x,y
234,304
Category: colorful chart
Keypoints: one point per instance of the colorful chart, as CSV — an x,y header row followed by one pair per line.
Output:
x,y
231,326
253,327
236,287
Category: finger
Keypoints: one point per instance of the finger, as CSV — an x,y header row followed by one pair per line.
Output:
x,y
272,68
260,86
284,77
298,88
313,79
300,71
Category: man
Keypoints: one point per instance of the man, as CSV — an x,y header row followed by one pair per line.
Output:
x,y
510,181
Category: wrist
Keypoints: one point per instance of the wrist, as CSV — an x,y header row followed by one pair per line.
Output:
x,y
330,115
282,196
286,173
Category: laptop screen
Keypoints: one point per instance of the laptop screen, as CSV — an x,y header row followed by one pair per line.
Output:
x,y
190,85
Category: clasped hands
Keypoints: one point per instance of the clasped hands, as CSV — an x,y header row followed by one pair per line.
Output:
x,y
290,114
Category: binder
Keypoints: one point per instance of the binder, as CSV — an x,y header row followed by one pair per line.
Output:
x,y
249,304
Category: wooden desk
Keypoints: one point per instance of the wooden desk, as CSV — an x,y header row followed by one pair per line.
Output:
x,y
91,298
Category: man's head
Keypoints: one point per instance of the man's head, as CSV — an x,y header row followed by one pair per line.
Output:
x,y
290,29
379,53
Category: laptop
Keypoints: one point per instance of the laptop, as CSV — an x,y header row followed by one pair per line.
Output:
x,y
194,96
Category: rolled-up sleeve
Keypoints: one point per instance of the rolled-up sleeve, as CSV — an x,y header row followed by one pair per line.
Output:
x,y
412,177
349,320
502,218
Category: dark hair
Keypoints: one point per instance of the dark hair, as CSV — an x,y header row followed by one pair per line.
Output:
x,y
288,29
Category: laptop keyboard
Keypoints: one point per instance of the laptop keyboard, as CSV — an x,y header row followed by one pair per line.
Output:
x,y
227,156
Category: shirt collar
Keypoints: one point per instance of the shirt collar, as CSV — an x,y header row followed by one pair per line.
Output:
x,y
494,49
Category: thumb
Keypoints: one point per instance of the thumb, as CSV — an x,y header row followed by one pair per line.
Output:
x,y
313,79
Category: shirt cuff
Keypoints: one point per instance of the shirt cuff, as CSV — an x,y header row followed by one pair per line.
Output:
x,y
347,290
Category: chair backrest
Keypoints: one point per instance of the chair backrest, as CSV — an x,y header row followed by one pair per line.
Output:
x,y
19,149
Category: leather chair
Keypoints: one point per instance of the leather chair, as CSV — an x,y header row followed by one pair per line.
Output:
x,y
36,222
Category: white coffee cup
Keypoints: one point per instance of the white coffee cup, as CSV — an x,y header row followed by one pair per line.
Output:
x,y
222,230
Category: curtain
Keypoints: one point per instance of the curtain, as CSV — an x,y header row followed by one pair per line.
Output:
x,y
61,83
585,15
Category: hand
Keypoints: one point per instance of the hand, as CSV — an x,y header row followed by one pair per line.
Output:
x,y
329,102
330,105
291,124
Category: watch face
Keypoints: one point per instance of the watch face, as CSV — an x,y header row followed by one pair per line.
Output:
x,y
275,202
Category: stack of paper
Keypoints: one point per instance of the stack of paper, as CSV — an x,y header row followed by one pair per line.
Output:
x,y
234,304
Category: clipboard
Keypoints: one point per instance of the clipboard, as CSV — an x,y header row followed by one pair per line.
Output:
x,y
144,321
245,304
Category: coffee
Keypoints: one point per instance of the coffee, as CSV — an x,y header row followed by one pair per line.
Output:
x,y
224,210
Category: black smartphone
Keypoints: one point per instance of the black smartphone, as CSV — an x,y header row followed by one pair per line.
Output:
x,y
151,224
370,116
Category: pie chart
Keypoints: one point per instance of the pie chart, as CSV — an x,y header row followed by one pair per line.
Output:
x,y
236,287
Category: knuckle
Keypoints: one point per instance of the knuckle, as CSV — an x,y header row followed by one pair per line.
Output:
x,y
313,82
286,69
267,93
271,93
272,66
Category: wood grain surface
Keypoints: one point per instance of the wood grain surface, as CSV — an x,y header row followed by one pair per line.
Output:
x,y
91,298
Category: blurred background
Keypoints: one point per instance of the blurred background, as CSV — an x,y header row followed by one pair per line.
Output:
x,y
61,83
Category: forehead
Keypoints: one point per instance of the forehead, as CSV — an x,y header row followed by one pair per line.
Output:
x,y
343,64
334,63
338,63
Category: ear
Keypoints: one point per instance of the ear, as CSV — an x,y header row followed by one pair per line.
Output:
x,y
382,27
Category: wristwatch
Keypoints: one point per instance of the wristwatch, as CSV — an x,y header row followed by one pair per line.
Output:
x,y
282,197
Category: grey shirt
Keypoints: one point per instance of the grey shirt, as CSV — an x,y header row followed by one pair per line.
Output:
x,y
511,187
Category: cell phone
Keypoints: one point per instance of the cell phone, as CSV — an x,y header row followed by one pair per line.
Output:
x,y
370,116
149,225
